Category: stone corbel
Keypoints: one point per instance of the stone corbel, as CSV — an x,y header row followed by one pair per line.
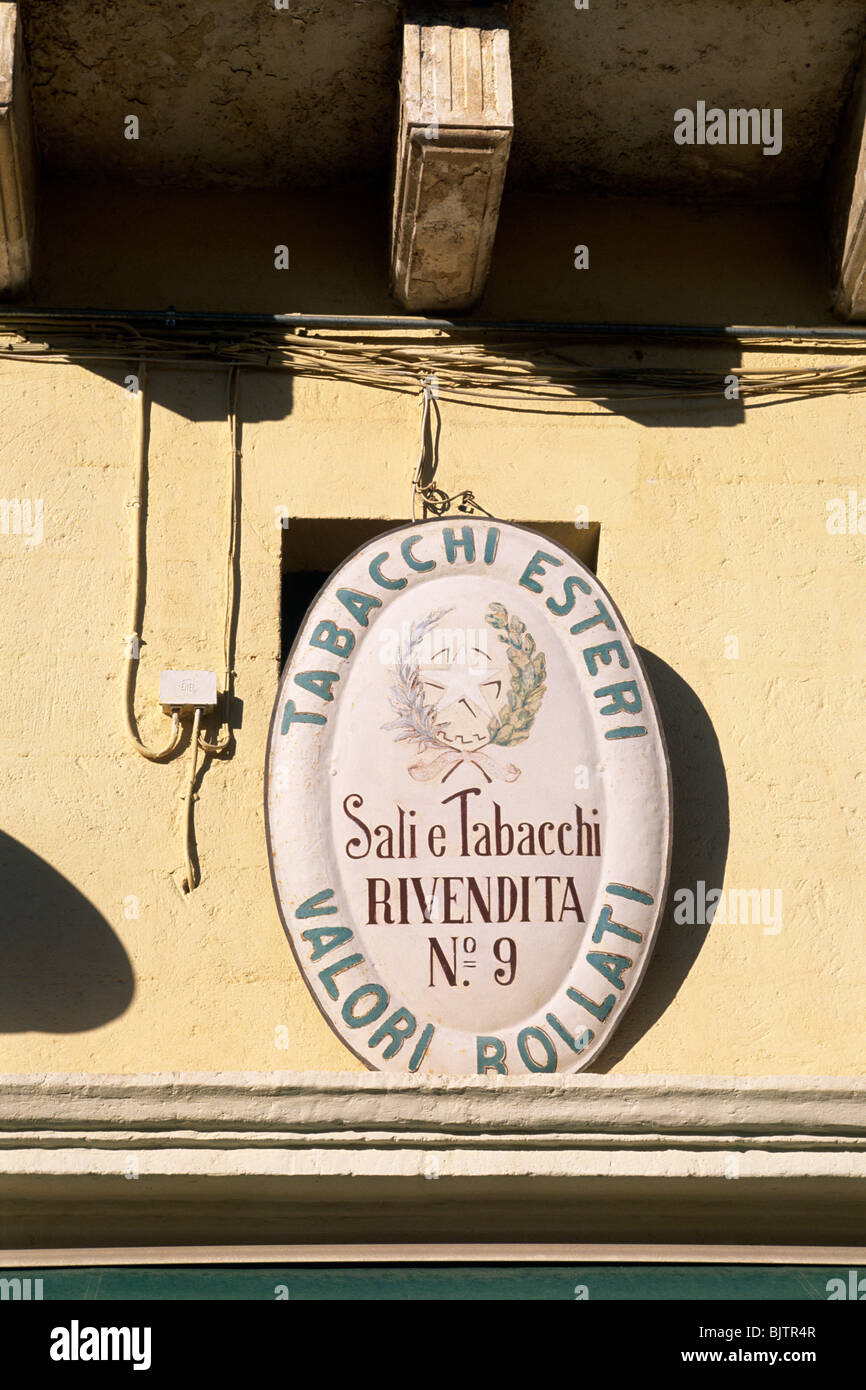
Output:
x,y
847,206
17,158
454,138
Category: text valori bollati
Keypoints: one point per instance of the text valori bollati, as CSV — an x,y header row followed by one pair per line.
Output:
x,y
510,806
370,1005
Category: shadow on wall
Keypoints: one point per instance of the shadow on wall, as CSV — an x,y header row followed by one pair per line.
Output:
x,y
199,394
700,849
682,407
62,968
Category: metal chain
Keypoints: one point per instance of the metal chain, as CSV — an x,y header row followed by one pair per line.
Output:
x,y
436,501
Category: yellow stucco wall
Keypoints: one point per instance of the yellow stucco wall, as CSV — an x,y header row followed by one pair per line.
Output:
x,y
713,525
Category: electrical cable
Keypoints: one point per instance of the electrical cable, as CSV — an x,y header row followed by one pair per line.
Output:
x,y
154,755
198,742
533,363
190,880
232,393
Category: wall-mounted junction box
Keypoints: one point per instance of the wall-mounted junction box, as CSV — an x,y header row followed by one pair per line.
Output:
x,y
187,691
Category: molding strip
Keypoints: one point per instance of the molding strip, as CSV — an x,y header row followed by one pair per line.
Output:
x,y
834,1255
349,1110
367,1158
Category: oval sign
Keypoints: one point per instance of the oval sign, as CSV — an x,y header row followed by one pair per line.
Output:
x,y
468,803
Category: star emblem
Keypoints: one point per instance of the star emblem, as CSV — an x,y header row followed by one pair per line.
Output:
x,y
467,679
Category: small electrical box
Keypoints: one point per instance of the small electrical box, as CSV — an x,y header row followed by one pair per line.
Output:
x,y
187,691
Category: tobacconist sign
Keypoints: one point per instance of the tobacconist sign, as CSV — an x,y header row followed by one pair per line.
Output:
x,y
468,803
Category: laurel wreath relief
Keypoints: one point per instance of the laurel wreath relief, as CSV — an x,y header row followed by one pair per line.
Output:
x,y
416,720
528,674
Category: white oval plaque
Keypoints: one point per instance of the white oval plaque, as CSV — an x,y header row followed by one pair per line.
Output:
x,y
468,803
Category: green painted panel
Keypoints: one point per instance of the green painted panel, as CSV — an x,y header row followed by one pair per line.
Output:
x,y
406,1282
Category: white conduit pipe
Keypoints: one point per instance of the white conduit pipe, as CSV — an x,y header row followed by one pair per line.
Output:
x,y
154,755
232,389
190,880
221,744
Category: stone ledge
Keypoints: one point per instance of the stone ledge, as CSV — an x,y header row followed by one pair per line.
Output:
x,y
353,1108
437,1253
208,1158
